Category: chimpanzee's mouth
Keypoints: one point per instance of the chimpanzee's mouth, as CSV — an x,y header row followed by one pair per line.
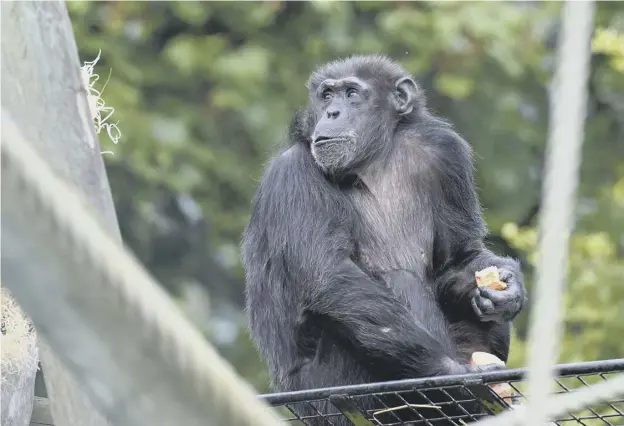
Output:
x,y
323,140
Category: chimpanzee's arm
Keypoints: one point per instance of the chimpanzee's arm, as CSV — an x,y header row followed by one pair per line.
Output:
x,y
460,250
379,325
296,252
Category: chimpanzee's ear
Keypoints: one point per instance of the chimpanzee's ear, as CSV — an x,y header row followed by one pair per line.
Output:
x,y
301,126
406,95
298,128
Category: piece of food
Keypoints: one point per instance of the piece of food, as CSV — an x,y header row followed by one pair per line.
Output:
x,y
489,278
503,390
482,358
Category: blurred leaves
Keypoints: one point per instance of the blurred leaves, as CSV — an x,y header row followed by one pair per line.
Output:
x,y
453,86
609,42
204,92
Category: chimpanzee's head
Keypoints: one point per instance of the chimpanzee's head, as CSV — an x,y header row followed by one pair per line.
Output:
x,y
354,107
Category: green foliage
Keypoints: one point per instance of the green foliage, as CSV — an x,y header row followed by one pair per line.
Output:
x,y
204,92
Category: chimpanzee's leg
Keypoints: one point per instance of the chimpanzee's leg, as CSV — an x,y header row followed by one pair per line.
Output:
x,y
467,337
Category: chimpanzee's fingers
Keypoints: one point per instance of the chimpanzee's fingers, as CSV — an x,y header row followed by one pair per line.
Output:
x,y
497,296
505,274
489,367
485,305
476,309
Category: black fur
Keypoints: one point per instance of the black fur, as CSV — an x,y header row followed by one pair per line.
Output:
x,y
360,267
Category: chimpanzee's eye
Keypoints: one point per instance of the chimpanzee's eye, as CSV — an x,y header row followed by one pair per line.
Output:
x,y
351,92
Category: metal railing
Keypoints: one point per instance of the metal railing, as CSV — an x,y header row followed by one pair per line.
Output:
x,y
447,400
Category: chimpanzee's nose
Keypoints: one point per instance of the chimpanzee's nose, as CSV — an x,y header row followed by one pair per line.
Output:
x,y
333,113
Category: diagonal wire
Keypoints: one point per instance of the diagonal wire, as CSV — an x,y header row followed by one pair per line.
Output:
x,y
568,112
562,404
38,207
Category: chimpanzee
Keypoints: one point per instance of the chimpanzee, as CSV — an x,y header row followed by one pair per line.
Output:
x,y
364,238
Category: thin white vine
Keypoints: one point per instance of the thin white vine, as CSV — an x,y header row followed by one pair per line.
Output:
x,y
100,112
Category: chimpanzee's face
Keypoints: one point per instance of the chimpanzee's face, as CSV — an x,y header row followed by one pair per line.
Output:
x,y
345,122
356,118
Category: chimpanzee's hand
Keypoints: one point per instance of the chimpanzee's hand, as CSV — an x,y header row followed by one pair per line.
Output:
x,y
500,305
457,368
486,368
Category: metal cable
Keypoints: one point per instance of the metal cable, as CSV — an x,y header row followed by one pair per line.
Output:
x,y
568,110
567,117
34,195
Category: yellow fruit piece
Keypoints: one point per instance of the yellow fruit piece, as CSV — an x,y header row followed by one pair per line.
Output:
x,y
489,278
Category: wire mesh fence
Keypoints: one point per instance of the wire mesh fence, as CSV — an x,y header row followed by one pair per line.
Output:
x,y
450,400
